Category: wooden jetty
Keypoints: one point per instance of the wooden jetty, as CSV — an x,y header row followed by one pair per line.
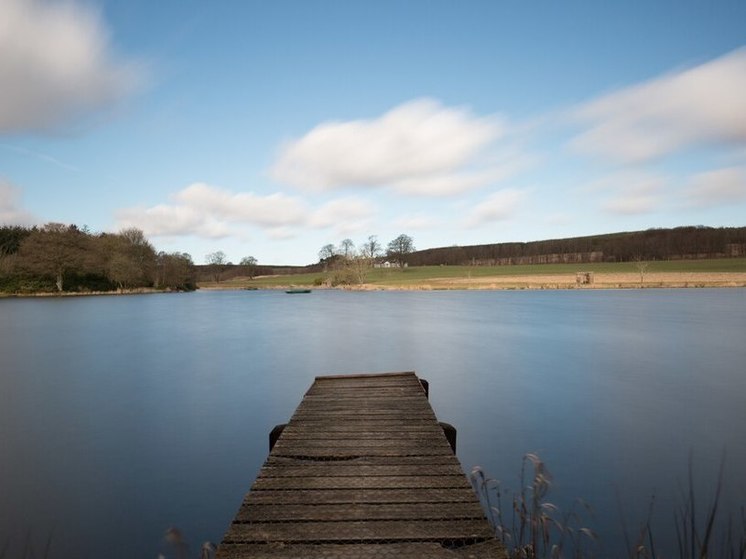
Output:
x,y
363,469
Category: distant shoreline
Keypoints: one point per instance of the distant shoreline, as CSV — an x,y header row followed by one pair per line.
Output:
x,y
661,280
55,294
527,282
669,280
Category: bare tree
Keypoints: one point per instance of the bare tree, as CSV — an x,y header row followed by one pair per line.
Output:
x,y
372,249
54,250
175,271
130,259
360,265
217,261
249,264
347,248
327,252
328,256
399,248
94,261
11,237
642,267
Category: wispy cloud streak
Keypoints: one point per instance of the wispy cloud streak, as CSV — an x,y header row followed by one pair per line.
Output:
x,y
56,64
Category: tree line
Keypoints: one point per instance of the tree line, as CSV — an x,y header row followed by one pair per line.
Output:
x,y
65,258
217,265
696,242
349,264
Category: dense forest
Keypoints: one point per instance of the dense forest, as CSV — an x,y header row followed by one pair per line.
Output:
x,y
653,244
64,258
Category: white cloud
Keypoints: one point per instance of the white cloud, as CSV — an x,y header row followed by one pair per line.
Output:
x,y
717,187
559,219
281,233
632,204
275,210
171,221
55,64
420,147
39,156
500,206
345,215
211,212
10,211
416,222
455,183
630,192
704,104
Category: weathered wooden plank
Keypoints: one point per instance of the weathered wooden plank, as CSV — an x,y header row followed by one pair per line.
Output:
x,y
322,387
391,401
347,482
320,453
371,440
357,470
380,395
368,531
356,425
364,393
363,511
403,414
353,497
362,465
420,461
392,376
352,437
361,433
424,442
490,549
420,443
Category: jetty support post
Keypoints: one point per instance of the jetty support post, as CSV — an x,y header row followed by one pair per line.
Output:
x,y
275,433
425,387
448,430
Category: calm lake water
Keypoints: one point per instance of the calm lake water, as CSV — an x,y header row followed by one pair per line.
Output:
x,y
122,416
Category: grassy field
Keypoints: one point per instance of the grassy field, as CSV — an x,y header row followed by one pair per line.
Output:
x,y
696,272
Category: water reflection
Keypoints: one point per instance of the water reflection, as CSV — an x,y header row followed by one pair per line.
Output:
x,y
122,416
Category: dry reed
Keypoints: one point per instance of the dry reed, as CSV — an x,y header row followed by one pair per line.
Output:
x,y
537,529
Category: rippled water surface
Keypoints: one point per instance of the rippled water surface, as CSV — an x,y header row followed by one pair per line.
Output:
x,y
122,416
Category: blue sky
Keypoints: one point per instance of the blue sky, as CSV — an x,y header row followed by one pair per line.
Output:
x,y
273,128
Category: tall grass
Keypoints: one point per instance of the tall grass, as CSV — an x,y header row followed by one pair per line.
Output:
x,y
535,528
178,548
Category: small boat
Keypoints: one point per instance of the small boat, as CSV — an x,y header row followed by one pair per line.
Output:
x,y
294,291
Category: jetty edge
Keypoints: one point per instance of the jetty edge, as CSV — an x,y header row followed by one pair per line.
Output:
x,y
362,469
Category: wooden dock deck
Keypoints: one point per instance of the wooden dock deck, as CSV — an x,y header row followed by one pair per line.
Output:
x,y
363,469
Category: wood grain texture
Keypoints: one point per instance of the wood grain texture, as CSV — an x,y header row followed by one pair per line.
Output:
x,y
361,470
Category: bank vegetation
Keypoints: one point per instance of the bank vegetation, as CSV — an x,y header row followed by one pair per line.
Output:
x,y
58,258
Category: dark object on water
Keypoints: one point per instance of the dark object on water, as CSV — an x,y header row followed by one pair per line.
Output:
x,y
425,387
275,433
450,432
293,291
